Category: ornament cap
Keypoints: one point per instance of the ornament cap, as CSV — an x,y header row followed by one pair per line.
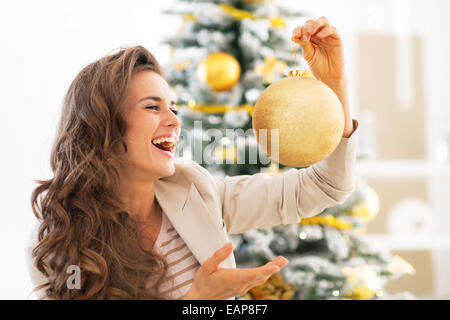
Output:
x,y
301,73
295,73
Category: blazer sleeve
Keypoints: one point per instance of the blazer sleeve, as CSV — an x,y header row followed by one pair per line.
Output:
x,y
259,200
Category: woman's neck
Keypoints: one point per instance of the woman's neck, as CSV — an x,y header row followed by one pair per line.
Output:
x,y
139,199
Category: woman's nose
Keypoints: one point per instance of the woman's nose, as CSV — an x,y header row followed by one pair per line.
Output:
x,y
171,119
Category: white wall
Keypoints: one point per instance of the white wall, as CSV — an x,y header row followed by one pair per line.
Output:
x,y
44,44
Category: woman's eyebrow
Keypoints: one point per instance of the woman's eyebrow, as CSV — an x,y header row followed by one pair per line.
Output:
x,y
157,99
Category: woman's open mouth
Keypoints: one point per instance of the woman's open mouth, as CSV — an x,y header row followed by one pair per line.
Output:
x,y
165,145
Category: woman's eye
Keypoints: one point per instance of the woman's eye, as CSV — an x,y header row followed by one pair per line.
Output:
x,y
175,111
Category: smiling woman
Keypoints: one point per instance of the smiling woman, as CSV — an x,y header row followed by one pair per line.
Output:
x,y
152,130
140,223
84,211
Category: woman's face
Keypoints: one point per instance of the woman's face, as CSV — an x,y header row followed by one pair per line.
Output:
x,y
152,127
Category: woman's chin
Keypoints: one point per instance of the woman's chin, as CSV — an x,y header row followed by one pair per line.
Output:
x,y
164,164
166,169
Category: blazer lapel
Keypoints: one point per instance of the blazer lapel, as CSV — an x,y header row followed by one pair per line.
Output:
x,y
189,215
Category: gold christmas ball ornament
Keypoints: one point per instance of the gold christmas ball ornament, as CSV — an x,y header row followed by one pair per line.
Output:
x,y
308,115
275,288
361,293
220,70
368,208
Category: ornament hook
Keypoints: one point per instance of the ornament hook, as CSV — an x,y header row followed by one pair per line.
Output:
x,y
300,73
295,72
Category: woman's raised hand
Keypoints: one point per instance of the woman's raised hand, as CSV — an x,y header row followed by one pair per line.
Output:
x,y
214,283
322,48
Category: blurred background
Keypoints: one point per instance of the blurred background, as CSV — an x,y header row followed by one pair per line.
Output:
x,y
396,55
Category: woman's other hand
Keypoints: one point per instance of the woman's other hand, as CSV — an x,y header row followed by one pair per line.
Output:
x,y
214,283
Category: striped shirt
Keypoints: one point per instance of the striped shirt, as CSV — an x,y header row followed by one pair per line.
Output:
x,y
182,263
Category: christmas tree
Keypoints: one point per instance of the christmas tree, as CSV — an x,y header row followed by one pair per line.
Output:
x,y
329,258
224,55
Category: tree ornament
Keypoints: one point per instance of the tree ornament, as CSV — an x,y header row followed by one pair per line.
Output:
x,y
275,288
361,293
270,68
398,265
368,208
220,70
226,154
308,115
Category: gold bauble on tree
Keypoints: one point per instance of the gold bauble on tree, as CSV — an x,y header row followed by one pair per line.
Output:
x,y
220,70
308,115
369,206
275,288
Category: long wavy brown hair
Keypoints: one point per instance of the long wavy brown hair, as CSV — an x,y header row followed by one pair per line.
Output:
x,y
82,220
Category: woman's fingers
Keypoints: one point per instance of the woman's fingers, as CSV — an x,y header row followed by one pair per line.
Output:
x,y
327,32
255,276
310,28
224,282
263,273
272,267
211,265
313,27
320,24
324,32
212,281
